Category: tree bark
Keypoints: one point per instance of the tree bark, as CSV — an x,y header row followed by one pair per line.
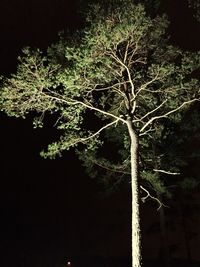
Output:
x,y
136,236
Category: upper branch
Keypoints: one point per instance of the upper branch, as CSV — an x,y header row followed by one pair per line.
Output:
x,y
167,113
153,110
127,70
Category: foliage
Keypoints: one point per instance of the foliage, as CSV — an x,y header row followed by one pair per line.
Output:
x,y
120,66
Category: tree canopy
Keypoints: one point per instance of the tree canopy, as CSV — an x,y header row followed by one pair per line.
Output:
x,y
120,65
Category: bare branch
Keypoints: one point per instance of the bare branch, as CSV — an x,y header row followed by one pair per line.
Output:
x,y
127,70
116,169
108,87
133,52
146,84
126,52
147,132
152,111
82,140
168,113
152,197
167,172
113,87
70,101
133,107
57,121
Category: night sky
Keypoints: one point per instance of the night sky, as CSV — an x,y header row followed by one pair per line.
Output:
x,y
50,209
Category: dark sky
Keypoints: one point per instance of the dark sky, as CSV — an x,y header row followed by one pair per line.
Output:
x,y
34,23
51,209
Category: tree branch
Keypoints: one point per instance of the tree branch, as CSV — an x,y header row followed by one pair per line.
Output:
x,y
127,70
152,197
152,111
70,101
146,84
110,169
126,52
82,140
168,113
100,130
147,132
167,172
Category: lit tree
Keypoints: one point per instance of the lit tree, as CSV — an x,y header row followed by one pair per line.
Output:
x,y
121,71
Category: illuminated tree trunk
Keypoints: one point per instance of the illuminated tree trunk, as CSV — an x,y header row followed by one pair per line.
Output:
x,y
136,238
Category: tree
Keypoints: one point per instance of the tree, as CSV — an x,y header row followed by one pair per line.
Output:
x,y
122,72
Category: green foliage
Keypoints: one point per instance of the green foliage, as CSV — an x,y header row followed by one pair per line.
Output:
x,y
23,92
120,66
155,182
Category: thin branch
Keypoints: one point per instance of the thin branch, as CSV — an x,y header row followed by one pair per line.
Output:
x,y
75,102
146,84
147,132
167,172
119,107
107,88
152,197
110,68
152,111
109,169
57,121
126,52
127,70
69,101
168,113
82,140
134,51
114,88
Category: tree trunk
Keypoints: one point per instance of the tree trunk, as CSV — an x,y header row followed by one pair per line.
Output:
x,y
136,237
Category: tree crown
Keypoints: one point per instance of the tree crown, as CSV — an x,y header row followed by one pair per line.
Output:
x,y
120,66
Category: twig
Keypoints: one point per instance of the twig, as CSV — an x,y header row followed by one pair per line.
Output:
x,y
167,172
152,197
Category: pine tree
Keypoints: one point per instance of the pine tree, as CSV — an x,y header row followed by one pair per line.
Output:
x,y
120,71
